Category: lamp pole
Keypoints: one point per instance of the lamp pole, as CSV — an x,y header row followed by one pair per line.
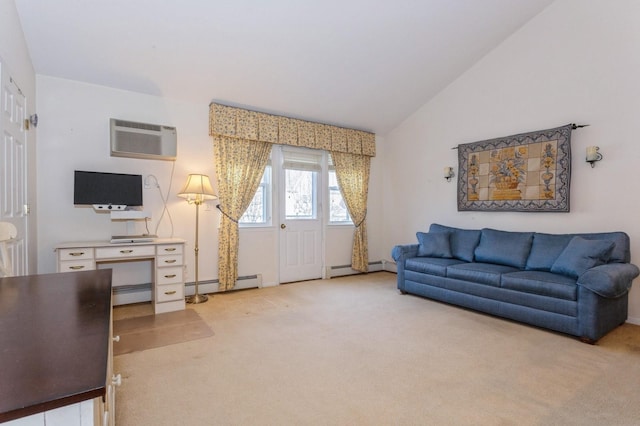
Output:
x,y
197,298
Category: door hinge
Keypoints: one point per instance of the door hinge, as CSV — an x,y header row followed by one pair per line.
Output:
x,y
27,209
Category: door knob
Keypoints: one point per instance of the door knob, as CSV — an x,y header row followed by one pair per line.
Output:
x,y
282,226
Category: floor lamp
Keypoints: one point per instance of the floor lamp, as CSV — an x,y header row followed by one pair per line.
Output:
x,y
196,191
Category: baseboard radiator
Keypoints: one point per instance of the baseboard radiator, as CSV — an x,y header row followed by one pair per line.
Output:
x,y
342,270
211,286
137,293
132,293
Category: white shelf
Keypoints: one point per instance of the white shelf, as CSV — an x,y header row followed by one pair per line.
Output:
x,y
130,215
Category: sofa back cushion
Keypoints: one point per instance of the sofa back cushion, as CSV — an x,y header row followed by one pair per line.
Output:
x,y
463,241
545,249
582,254
504,248
621,252
434,244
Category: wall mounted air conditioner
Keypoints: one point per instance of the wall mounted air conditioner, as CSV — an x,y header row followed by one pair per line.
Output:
x,y
141,140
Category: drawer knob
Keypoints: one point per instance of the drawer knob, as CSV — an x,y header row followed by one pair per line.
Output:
x,y
116,338
170,261
170,292
116,380
76,253
126,251
170,249
76,267
170,276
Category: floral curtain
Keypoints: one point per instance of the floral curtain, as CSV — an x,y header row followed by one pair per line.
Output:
x,y
352,172
239,169
242,143
250,125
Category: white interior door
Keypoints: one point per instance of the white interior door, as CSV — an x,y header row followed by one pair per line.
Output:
x,y
13,160
300,216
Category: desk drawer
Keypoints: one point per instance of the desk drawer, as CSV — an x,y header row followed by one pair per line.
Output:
x,y
169,249
166,293
76,265
171,275
123,252
174,260
75,253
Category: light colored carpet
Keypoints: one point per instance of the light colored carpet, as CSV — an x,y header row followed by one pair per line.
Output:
x,y
139,333
353,351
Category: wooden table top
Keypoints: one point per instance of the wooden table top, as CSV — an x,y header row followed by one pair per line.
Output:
x,y
54,340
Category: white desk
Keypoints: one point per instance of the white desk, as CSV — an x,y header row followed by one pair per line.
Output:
x,y
167,255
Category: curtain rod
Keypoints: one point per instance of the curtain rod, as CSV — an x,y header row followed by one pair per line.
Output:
x,y
574,126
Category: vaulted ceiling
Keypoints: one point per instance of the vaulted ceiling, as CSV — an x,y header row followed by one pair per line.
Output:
x,y
366,64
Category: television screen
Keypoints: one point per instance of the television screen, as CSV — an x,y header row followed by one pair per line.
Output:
x,y
96,188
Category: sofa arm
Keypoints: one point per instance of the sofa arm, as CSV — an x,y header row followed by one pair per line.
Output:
x,y
400,253
611,280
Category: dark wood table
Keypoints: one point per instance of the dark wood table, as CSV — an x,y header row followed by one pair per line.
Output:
x,y
54,340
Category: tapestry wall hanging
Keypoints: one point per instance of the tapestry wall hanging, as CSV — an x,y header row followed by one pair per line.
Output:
x,y
529,172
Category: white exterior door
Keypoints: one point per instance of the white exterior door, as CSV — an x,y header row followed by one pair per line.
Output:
x,y
13,164
300,216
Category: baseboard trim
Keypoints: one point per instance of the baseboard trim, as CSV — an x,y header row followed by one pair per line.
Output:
x,y
389,266
633,320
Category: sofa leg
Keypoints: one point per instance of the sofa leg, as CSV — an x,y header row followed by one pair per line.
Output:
x,y
402,292
588,340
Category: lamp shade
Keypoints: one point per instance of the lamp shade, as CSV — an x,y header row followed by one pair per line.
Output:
x,y
198,187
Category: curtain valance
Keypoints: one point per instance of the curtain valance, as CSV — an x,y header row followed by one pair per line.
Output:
x,y
258,126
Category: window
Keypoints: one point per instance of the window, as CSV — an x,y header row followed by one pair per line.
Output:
x,y
338,212
300,194
259,211
301,175
301,169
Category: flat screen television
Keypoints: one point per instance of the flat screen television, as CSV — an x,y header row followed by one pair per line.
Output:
x,y
110,191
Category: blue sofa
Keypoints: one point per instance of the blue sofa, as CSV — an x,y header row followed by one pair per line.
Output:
x,y
576,284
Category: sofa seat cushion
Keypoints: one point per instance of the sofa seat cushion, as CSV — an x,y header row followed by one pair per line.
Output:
x,y
541,282
481,273
504,248
430,265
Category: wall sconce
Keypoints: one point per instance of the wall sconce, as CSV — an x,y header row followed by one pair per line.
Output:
x,y
448,173
593,155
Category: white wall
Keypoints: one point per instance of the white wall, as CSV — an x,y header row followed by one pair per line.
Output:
x,y
74,135
16,62
575,62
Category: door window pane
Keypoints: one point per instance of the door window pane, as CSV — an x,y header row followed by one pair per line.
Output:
x,y
300,191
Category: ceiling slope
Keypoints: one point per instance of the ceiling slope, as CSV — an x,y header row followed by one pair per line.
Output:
x,y
366,64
